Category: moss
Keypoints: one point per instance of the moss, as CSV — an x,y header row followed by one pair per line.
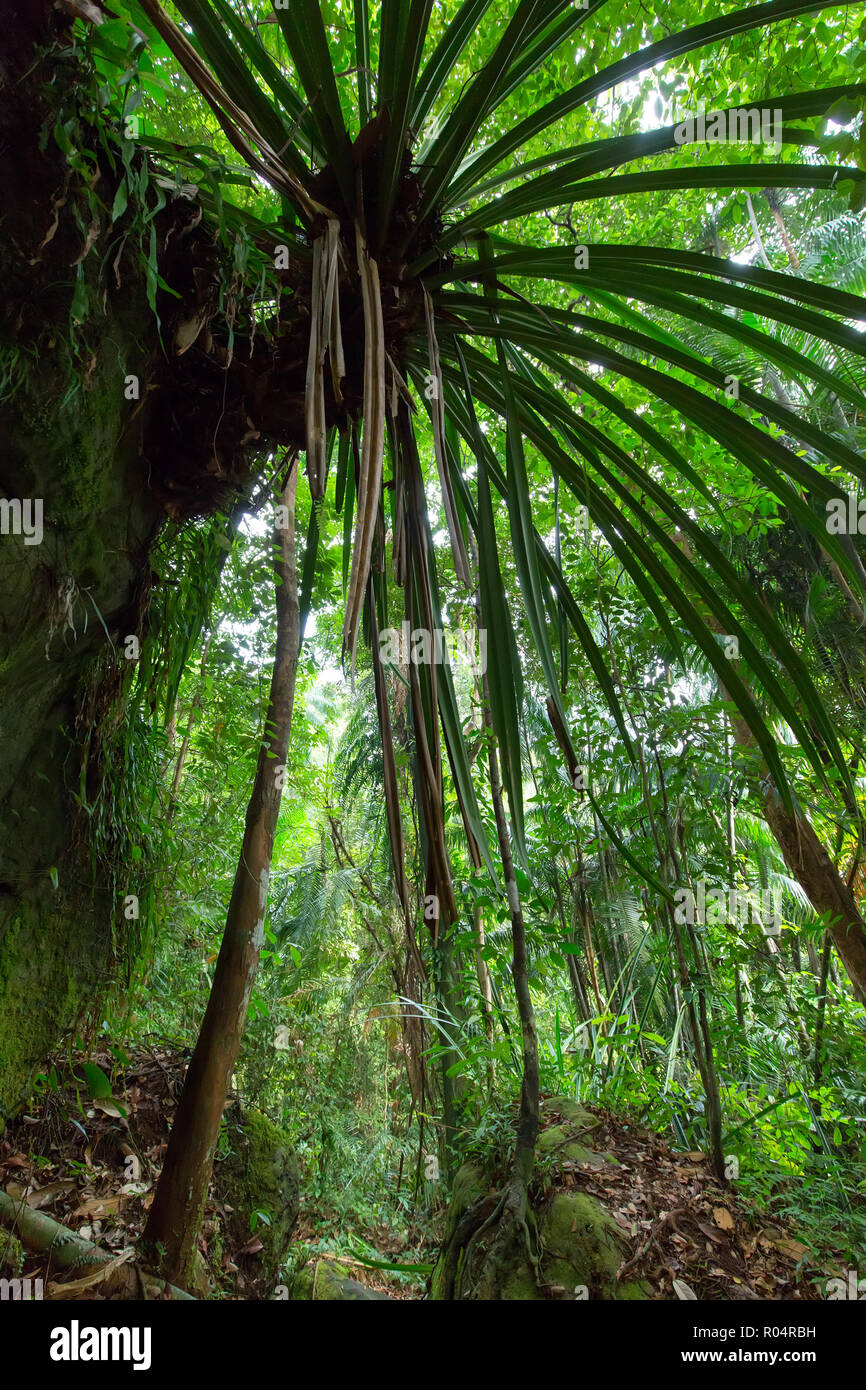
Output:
x,y
576,1230
11,1255
560,1142
470,1183
571,1111
581,1245
75,450
53,960
261,1175
637,1290
520,1286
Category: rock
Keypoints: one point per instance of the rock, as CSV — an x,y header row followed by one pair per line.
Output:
x,y
581,1245
260,1175
323,1281
560,1142
571,1111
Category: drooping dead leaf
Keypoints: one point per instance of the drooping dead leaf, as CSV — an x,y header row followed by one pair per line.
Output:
x,y
82,9
92,233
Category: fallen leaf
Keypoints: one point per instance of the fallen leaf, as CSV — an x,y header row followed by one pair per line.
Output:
x,y
792,1249
70,1290
110,1107
101,1206
682,1290
45,1196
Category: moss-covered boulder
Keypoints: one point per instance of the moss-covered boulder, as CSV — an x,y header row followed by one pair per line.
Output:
x,y
471,1184
567,1140
583,1247
579,1244
576,1115
325,1281
259,1181
559,1141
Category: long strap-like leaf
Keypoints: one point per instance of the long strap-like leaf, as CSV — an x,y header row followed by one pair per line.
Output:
x,y
672,46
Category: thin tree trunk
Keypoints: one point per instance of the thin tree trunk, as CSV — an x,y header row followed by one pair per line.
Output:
x,y
184,747
177,1208
805,855
772,197
514,1204
822,1010
826,890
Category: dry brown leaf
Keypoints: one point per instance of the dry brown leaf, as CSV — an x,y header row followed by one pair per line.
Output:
x,y
46,1196
109,1107
792,1249
101,1206
70,1290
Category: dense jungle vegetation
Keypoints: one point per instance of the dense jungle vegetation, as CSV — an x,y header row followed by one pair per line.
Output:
x,y
433,649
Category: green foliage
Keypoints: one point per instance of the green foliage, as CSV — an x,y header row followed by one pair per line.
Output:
x,y
624,509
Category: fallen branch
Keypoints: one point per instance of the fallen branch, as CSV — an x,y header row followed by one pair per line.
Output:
x,y
42,1235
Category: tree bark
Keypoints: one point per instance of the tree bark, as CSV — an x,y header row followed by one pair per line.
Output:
x,y
805,855
826,890
177,1208
514,1201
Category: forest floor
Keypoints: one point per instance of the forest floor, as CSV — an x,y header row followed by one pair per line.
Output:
x,y
91,1163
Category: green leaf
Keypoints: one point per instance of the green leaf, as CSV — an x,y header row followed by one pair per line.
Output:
x,y
98,1083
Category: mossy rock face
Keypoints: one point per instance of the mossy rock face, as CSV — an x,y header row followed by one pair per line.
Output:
x,y
325,1281
581,1245
260,1175
69,442
582,1249
470,1183
560,1142
571,1111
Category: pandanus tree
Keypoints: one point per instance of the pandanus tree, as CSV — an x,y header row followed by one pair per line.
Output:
x,y
559,376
